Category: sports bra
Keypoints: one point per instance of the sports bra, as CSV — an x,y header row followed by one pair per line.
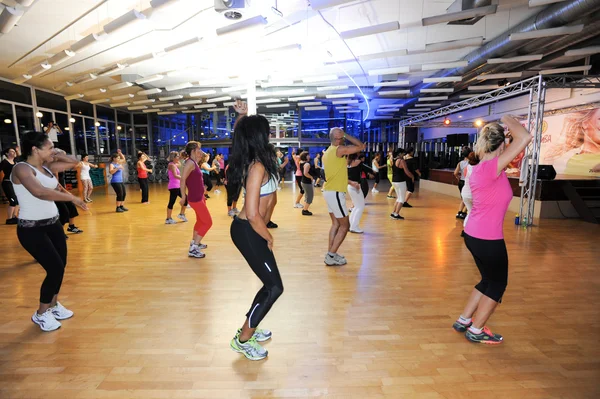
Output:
x,y
269,187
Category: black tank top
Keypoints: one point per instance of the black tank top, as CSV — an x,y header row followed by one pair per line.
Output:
x,y
354,173
398,175
305,179
7,168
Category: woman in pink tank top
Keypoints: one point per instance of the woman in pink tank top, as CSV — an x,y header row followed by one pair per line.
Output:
x,y
174,191
483,234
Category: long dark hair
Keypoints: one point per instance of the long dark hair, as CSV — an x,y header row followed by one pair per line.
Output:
x,y
33,139
250,144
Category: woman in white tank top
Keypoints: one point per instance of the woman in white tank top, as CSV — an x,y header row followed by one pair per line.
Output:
x,y
84,176
39,230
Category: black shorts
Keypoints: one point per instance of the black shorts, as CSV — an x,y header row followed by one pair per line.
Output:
x,y
410,186
299,183
461,184
491,259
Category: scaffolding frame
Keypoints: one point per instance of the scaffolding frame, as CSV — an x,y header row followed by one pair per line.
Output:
x,y
536,88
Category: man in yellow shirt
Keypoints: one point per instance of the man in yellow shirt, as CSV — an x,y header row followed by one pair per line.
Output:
x,y
334,190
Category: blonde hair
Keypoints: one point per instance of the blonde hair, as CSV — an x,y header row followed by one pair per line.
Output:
x,y
572,135
490,139
173,155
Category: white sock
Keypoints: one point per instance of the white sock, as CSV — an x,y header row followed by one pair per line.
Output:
x,y
332,254
464,320
475,330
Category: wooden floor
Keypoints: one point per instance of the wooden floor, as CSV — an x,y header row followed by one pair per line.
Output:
x,y
151,323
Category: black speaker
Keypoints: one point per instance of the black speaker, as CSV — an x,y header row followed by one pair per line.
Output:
x,y
546,172
411,134
462,139
451,140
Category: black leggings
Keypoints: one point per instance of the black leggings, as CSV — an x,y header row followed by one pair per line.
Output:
x,y
207,181
120,190
66,210
9,193
299,183
491,259
256,252
232,196
144,186
48,246
173,194
364,186
377,178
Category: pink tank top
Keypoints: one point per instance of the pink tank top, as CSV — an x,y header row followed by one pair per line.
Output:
x,y
297,162
195,184
173,182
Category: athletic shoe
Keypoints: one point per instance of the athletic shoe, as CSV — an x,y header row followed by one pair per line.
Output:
x,y
217,191
236,211
260,334
231,214
272,225
120,210
460,327
460,215
486,337
60,312
390,196
194,252
306,213
182,217
90,200
87,200
124,209
350,209
374,190
251,349
298,206
170,221
335,260
357,231
341,258
46,320
12,221
202,246
407,205
74,230
396,217
278,187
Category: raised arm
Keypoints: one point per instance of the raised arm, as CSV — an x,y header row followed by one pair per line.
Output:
x,y
62,162
241,108
521,139
356,146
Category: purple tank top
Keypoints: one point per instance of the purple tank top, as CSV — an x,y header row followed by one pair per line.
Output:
x,y
195,184
173,182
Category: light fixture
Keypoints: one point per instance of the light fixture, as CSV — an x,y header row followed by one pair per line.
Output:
x,y
190,102
443,80
537,3
123,97
217,99
268,100
73,97
452,45
234,88
148,101
119,105
483,87
21,79
119,127
165,105
242,25
384,54
460,15
137,107
103,100
521,58
345,107
170,98
124,20
447,121
566,70
39,114
86,42
229,104
464,96
186,43
167,113
282,92
332,88
478,123
438,90
509,75
536,34
389,71
583,51
141,58
428,105
322,108
149,79
72,120
305,98
97,124
388,110
316,79
112,69
435,98
205,106
179,86
88,77
282,105
310,104
393,84
148,92
339,102
219,109
391,105
151,110
94,92
318,5
370,30
192,112
343,95
7,121
419,110
349,111
60,57
119,86
9,18
444,65
203,93
39,69
393,92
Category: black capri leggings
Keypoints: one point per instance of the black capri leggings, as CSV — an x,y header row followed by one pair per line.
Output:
x,y
9,193
461,184
119,190
256,252
48,246
491,259
377,177
232,195
173,194
299,183
66,210
207,181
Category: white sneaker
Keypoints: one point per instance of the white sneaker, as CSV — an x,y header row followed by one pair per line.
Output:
x,y
298,206
217,191
374,190
60,312
334,260
182,217
194,251
170,221
236,211
357,231
251,349
341,258
46,320
278,187
231,213
189,206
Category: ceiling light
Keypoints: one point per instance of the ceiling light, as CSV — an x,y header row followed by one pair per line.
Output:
x,y
583,51
566,70
536,34
39,114
39,69
60,57
345,107
438,90
443,80
72,120
112,69
124,20
119,105
478,123
73,97
332,88
388,109
170,98
444,65
323,4
88,77
86,42
94,92
149,92
536,3
234,88
460,15
338,102
483,87
190,102
137,107
179,86
316,79
149,79
393,84
217,99
309,104
148,101
203,93
348,95
522,58
151,110
437,98
268,100
120,86
205,106
393,92
419,110
119,128
219,109
391,105
167,113
123,97
21,79
190,112
447,121
428,105
7,121
165,105
103,100
242,25
9,18
463,96
97,124
283,105
305,98
277,83
350,111
316,108
389,71
453,44
510,75
370,30
186,43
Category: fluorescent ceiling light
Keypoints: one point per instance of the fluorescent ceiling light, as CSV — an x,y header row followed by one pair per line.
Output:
x,y
229,104
438,90
583,51
74,96
566,70
190,102
309,104
39,69
167,113
148,92
165,105
124,20
443,80
141,58
460,15
350,111
112,69
234,89
119,105
88,77
537,3
389,71
179,86
284,92
86,42
94,92
170,98
385,54
536,34
390,105
444,65
268,100
216,99
148,101
60,57
277,83
316,108
345,107
332,88
137,107
453,44
316,79
190,112
205,106
343,95
9,18
370,30
393,84
151,110
120,86
522,58
509,75
483,87
179,46
203,93
242,25
388,109
317,5
148,79
437,98
339,102
468,95
282,105
104,100
123,97
393,92
219,109
22,79
428,105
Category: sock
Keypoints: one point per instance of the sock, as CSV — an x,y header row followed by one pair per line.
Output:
x,y
475,330
331,254
464,320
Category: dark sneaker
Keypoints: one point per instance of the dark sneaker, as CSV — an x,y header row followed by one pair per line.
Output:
x,y
306,213
396,217
460,327
12,221
407,205
272,225
460,215
74,230
390,196
120,210
124,209
486,337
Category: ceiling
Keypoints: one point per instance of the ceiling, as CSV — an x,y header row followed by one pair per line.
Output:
x,y
296,52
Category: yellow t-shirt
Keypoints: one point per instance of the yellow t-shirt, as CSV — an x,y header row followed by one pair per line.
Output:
x,y
581,164
336,171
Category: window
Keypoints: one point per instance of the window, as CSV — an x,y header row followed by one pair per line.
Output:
x,y
90,135
12,92
103,138
141,139
112,138
79,134
123,117
49,100
140,119
82,108
24,119
7,128
105,113
64,137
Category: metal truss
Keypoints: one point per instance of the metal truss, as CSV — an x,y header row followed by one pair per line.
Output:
x,y
572,81
441,124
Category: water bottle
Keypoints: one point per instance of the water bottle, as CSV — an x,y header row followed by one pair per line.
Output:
x,y
517,220
524,224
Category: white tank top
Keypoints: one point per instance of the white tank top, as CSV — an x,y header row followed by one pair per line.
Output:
x,y
33,208
85,172
374,167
